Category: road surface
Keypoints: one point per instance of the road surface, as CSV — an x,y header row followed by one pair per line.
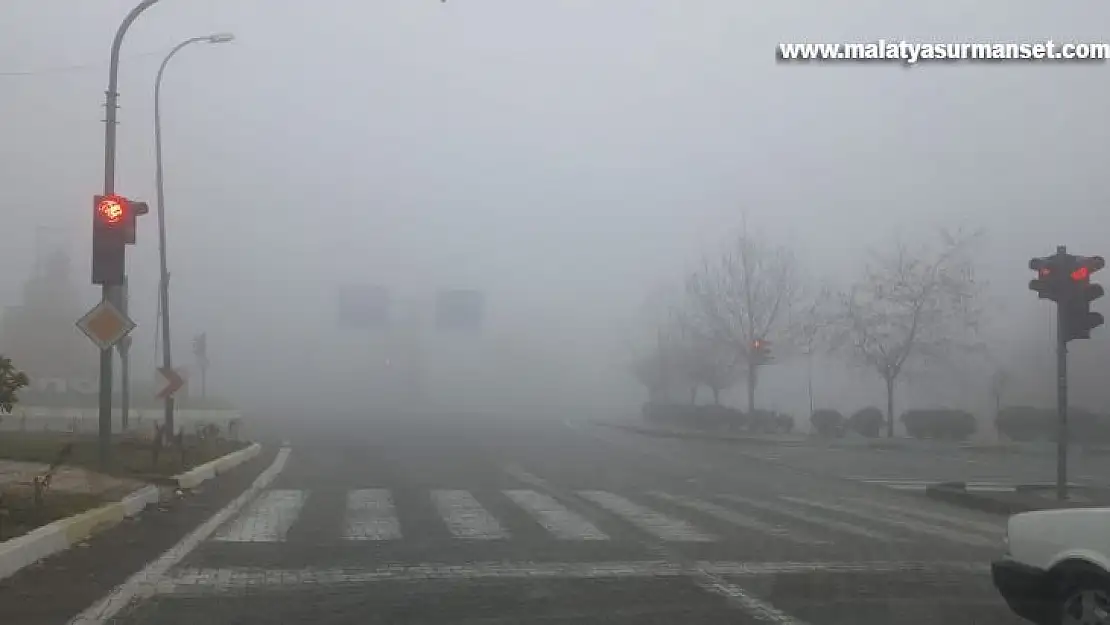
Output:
x,y
487,521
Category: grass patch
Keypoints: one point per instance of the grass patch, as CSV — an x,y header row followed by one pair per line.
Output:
x,y
130,457
19,514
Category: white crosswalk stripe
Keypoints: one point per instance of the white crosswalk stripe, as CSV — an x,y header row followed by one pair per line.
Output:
x,y
554,517
267,520
809,519
656,523
370,516
465,517
738,519
991,529
899,521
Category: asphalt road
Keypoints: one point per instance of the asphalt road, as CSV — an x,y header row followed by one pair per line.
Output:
x,y
913,468
484,521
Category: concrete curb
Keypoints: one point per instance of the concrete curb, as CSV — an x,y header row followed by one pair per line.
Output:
x,y
722,437
957,493
198,475
62,534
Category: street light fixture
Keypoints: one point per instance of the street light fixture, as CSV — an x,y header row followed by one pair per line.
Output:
x,y
164,281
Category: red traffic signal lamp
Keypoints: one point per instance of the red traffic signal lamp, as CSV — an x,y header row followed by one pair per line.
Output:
x,y
113,229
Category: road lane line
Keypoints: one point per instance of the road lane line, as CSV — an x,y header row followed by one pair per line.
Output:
x,y
990,529
554,517
201,581
823,522
656,523
146,582
267,519
899,521
465,517
371,516
747,603
738,519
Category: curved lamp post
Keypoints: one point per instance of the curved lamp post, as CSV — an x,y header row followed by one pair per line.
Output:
x,y
164,283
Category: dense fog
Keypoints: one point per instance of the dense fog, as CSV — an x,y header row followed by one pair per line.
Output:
x,y
574,161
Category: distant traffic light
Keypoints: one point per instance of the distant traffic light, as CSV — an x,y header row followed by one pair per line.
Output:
x,y
1078,320
110,215
761,352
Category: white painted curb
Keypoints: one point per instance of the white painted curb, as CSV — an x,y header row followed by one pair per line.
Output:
x,y
198,475
64,533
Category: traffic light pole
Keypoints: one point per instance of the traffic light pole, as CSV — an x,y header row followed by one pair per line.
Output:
x,y
1061,407
110,102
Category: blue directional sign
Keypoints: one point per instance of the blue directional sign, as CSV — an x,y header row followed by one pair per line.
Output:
x,y
460,310
363,306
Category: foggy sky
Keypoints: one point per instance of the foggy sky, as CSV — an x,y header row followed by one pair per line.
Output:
x,y
564,156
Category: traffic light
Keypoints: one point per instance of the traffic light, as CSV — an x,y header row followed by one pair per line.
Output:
x,y
761,352
110,217
1048,283
1066,279
135,209
1075,312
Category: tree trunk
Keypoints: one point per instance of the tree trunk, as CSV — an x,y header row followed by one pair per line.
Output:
x,y
890,407
751,388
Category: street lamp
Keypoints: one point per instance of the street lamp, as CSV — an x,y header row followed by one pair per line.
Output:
x,y
164,280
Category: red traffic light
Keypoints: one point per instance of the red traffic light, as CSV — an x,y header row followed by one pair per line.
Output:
x,y
111,210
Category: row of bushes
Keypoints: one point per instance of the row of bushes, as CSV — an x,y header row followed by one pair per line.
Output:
x,y
1026,423
832,424
953,425
714,417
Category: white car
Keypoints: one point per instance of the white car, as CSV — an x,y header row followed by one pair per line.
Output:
x,y
1056,570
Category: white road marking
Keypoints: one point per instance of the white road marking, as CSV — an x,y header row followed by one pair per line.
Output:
x,y
267,520
147,581
805,517
199,581
555,517
371,516
655,523
990,529
896,520
754,607
465,517
738,519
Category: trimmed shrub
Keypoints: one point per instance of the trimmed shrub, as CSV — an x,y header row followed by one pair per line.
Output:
x,y
1025,423
784,423
867,422
949,425
827,423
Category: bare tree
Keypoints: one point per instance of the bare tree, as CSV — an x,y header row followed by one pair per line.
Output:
x,y
701,361
911,304
740,301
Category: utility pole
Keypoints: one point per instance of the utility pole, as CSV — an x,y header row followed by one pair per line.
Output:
x,y
108,291
1061,402
124,347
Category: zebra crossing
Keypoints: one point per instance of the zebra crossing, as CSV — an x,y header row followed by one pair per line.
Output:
x,y
372,515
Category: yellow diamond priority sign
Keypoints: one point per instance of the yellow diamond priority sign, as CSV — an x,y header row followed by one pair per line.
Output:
x,y
105,325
